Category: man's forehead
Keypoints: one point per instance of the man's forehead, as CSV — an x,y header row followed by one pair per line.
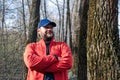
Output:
x,y
49,25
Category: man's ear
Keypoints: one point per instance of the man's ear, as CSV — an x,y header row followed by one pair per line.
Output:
x,y
38,30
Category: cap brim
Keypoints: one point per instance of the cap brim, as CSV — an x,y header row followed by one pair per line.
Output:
x,y
52,23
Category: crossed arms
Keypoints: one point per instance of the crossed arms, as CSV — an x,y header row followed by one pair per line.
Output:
x,y
48,63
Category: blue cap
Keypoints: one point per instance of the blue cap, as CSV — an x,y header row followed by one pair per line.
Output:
x,y
45,22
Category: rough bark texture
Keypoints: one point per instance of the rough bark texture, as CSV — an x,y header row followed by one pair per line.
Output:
x,y
102,40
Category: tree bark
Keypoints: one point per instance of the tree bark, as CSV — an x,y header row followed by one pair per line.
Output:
x,y
32,33
82,51
102,40
34,19
79,38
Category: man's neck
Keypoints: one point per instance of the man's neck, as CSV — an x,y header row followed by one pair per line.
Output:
x,y
47,40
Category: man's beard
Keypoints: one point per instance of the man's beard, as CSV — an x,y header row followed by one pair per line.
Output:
x,y
48,36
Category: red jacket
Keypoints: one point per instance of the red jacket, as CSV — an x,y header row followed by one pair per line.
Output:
x,y
38,62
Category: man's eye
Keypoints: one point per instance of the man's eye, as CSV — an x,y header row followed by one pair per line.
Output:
x,y
47,27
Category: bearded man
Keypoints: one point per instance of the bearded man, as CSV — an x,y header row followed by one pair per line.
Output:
x,y
47,59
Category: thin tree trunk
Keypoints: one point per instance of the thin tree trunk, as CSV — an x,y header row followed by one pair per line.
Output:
x,y
59,28
68,35
34,19
24,23
62,27
32,34
45,9
3,37
28,3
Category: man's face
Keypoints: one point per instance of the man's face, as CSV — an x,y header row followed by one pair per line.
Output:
x,y
46,32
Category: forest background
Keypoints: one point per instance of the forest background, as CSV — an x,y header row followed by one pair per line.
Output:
x,y
90,27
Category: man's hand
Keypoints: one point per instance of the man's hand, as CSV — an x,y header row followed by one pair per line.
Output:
x,y
57,57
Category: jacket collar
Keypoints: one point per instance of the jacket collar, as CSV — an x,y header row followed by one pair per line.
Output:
x,y
42,42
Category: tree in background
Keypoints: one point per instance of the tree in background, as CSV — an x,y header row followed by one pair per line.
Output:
x,y
79,37
11,41
34,19
82,55
68,34
18,21
102,40
24,22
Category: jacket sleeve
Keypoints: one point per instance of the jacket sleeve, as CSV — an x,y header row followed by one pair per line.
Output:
x,y
64,63
35,62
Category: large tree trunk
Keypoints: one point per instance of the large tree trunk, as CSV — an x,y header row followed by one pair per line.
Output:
x,y
79,36
34,19
82,53
102,40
